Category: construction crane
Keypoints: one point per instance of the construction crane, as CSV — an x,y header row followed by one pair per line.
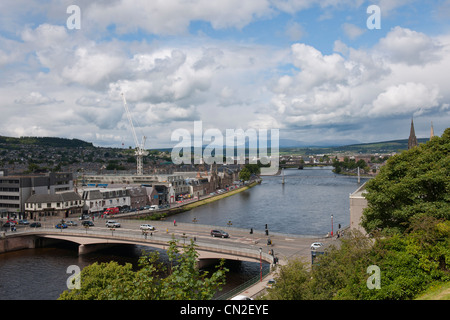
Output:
x,y
139,151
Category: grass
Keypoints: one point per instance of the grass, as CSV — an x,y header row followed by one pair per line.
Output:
x,y
218,197
439,291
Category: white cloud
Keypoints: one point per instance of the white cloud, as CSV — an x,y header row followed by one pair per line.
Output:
x,y
403,45
352,31
36,98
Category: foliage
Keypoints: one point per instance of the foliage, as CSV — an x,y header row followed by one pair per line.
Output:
x,y
349,164
409,264
153,281
413,183
292,282
248,170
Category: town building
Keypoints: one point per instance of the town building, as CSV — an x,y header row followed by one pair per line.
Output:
x,y
357,205
16,189
64,204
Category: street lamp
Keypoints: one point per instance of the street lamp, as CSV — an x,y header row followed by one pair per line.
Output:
x,y
331,224
260,264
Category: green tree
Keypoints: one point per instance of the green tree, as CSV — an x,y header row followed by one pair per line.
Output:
x,y
413,183
244,174
292,282
183,280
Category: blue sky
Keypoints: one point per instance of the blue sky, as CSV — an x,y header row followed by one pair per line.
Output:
x,y
311,69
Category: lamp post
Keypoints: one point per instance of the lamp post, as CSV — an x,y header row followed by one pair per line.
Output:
x,y
331,224
260,264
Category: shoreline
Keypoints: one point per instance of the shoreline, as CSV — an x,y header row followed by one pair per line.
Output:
x,y
191,205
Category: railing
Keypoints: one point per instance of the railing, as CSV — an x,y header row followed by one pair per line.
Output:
x,y
242,287
142,238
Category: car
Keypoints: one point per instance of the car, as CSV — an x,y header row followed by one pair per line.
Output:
x,y
219,233
87,223
24,222
83,217
270,283
112,224
71,223
241,297
146,227
61,226
35,225
316,245
8,224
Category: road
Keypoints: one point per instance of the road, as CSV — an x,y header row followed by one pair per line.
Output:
x,y
284,246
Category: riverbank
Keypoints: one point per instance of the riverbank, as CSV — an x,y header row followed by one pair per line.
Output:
x,y
194,204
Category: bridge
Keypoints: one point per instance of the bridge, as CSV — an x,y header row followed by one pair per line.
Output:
x,y
99,238
241,246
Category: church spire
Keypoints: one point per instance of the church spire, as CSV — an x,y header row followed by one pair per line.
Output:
x,y
412,141
432,131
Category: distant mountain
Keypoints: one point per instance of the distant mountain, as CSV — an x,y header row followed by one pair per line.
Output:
x,y
289,143
372,147
45,141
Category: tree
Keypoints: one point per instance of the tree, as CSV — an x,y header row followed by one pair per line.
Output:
x,y
183,280
245,174
292,282
413,183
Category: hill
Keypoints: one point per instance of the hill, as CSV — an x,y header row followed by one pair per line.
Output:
x,y
372,147
45,142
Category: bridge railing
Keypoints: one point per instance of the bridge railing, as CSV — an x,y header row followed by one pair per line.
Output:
x,y
147,238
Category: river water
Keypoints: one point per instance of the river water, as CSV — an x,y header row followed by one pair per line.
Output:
x,y
302,205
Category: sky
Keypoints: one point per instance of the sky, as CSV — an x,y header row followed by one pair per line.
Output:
x,y
318,71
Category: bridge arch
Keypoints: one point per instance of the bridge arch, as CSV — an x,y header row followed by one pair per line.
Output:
x,y
207,253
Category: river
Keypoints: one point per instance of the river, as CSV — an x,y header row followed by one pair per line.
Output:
x,y
302,205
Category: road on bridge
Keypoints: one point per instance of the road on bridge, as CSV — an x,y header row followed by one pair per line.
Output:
x,y
284,246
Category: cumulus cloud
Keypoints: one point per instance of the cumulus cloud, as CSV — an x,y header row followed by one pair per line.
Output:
x,y
361,85
36,98
75,78
402,45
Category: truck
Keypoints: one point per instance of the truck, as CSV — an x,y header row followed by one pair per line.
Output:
x,y
111,211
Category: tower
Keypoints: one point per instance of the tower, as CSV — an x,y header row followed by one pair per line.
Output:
x,y
412,141
432,131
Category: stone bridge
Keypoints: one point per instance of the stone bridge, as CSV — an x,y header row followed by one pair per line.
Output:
x,y
209,252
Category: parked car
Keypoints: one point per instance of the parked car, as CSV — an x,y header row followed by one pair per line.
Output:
x,y
87,223
71,223
146,227
8,224
219,233
316,245
61,226
270,283
35,225
112,224
84,217
241,297
24,222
